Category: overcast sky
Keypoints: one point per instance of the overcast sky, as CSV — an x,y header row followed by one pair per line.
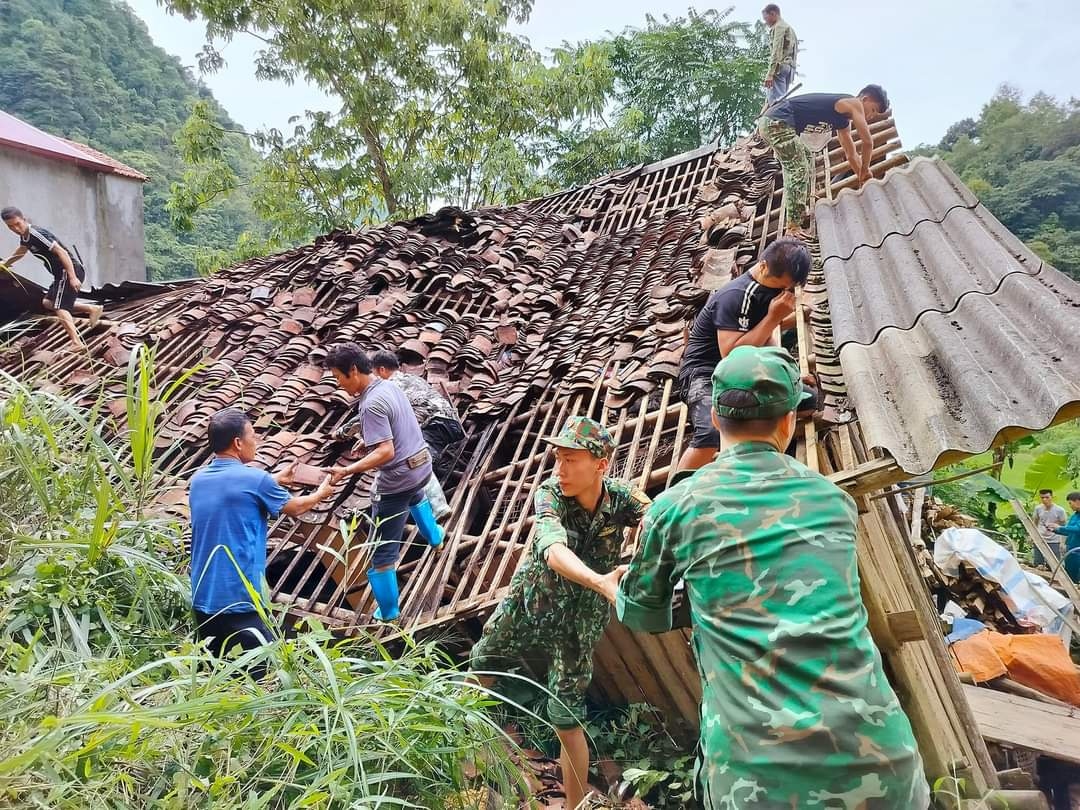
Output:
x,y
939,60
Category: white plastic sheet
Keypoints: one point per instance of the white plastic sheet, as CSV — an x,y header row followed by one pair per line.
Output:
x,y
1032,601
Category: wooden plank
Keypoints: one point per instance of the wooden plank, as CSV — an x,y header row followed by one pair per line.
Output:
x,y
905,626
813,460
868,477
915,531
1025,723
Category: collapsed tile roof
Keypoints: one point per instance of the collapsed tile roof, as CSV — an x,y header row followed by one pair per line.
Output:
x,y
951,332
521,314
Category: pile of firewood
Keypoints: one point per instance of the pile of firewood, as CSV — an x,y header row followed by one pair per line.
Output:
x,y
940,516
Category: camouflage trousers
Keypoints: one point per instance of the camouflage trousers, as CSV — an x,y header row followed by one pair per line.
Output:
x,y
797,163
513,643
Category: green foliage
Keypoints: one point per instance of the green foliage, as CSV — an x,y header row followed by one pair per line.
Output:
x,y
638,740
1048,470
453,108
677,84
105,703
88,70
1050,458
439,102
1023,161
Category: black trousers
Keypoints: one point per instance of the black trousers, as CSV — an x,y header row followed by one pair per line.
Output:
x,y
439,433
225,632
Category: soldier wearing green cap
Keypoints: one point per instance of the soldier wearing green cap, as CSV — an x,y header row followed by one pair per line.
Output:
x,y
560,598
796,710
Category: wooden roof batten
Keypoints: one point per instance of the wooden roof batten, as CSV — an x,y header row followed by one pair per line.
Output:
x,y
593,287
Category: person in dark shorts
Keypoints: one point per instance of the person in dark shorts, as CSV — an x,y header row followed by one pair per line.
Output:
x,y
745,312
783,123
395,447
230,506
67,271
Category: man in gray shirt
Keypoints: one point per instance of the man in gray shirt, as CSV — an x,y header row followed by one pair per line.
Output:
x,y
1048,516
395,447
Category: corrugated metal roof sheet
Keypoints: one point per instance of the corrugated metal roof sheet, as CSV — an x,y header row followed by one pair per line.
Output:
x,y
18,134
893,285
949,336
924,189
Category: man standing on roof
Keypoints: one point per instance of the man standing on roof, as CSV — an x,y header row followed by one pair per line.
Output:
x,y
783,54
744,312
67,271
796,710
230,505
438,420
394,447
560,598
783,123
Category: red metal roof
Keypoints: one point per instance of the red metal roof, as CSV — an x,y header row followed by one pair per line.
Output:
x,y
20,135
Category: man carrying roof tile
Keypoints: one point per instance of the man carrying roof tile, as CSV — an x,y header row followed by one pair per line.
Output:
x,y
796,710
394,447
783,53
784,122
230,504
745,312
438,420
559,599
66,268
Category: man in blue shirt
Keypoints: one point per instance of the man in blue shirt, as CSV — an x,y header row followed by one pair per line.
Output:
x,y
230,507
1071,532
394,446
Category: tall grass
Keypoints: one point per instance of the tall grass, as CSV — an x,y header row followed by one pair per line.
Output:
x,y
105,701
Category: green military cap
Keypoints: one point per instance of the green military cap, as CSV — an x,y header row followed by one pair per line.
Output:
x,y
582,433
769,373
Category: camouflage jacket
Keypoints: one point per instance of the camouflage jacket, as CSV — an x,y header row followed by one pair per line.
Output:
x,y
796,710
543,598
784,47
427,403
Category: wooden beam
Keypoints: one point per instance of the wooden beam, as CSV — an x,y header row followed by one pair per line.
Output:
x,y
1021,722
905,626
875,474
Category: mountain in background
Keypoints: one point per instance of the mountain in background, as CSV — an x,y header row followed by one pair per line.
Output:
x,y
88,70
1023,161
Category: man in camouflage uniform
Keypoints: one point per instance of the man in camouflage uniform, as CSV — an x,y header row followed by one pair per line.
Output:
x,y
560,597
796,711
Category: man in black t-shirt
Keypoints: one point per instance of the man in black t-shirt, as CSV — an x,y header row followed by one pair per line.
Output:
x,y
66,269
783,123
744,312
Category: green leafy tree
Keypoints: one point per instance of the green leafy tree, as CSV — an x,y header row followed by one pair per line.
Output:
x,y
88,70
1023,160
439,102
677,84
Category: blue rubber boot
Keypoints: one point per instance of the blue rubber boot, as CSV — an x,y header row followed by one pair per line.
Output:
x,y
424,518
384,587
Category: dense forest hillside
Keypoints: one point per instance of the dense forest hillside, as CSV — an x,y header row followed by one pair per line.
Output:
x,y
1023,161
88,70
